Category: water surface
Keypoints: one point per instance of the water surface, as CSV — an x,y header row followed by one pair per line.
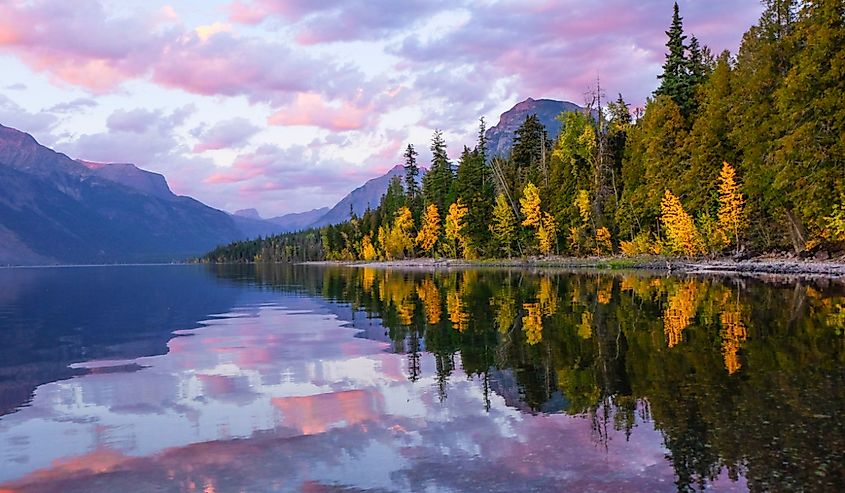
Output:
x,y
218,379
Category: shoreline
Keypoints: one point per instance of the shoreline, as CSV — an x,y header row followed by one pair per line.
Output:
x,y
758,266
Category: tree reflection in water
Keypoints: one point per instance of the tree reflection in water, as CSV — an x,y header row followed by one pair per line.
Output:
x,y
736,374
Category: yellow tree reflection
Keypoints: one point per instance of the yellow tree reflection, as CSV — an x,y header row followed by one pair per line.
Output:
x,y
678,315
430,296
733,334
532,322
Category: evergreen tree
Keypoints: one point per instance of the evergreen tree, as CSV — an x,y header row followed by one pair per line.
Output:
x,y
394,198
810,155
437,183
675,77
482,140
412,173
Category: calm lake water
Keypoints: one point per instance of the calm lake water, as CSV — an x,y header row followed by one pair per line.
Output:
x,y
328,379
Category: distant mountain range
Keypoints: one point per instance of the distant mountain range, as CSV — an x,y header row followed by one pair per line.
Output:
x,y
54,209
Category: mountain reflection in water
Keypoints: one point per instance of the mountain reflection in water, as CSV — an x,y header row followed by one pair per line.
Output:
x,y
348,379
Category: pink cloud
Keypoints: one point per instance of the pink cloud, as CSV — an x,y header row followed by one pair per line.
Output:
x,y
311,109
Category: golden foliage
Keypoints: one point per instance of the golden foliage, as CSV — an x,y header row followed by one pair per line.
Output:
x,y
532,323
368,278
604,245
582,203
454,228
731,202
430,296
368,251
430,231
547,296
457,311
585,328
733,333
396,240
505,305
680,228
503,226
547,234
529,205
405,312
683,305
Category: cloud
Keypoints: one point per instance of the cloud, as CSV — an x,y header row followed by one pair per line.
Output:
x,y
311,109
72,106
13,115
227,134
79,43
335,20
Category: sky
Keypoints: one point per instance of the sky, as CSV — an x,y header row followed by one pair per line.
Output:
x,y
287,105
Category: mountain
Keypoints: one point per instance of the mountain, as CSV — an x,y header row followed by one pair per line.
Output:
x,y
500,137
359,200
131,176
299,220
248,213
54,209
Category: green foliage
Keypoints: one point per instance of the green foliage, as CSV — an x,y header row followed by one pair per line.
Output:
x,y
437,183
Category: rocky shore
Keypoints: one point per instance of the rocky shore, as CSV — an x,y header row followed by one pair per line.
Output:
x,y
780,265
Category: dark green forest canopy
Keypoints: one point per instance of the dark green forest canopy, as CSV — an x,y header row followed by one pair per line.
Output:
x,y
774,112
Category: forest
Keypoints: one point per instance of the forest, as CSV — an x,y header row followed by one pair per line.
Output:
x,y
732,154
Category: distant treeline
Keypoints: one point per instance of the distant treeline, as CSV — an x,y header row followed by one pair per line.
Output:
x,y
731,152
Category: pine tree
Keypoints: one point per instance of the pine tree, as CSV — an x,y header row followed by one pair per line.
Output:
x,y
430,230
412,173
437,183
810,155
675,76
482,141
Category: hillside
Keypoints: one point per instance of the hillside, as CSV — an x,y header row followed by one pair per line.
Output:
x,y
54,209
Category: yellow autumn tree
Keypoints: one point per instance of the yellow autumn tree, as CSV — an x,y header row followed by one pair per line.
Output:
x,y
731,203
547,233
454,230
529,205
503,227
544,223
604,245
680,227
396,240
582,203
368,251
430,231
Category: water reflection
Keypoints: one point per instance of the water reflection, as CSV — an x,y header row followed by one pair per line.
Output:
x,y
739,376
464,381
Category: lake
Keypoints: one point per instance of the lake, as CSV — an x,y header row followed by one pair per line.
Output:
x,y
338,379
